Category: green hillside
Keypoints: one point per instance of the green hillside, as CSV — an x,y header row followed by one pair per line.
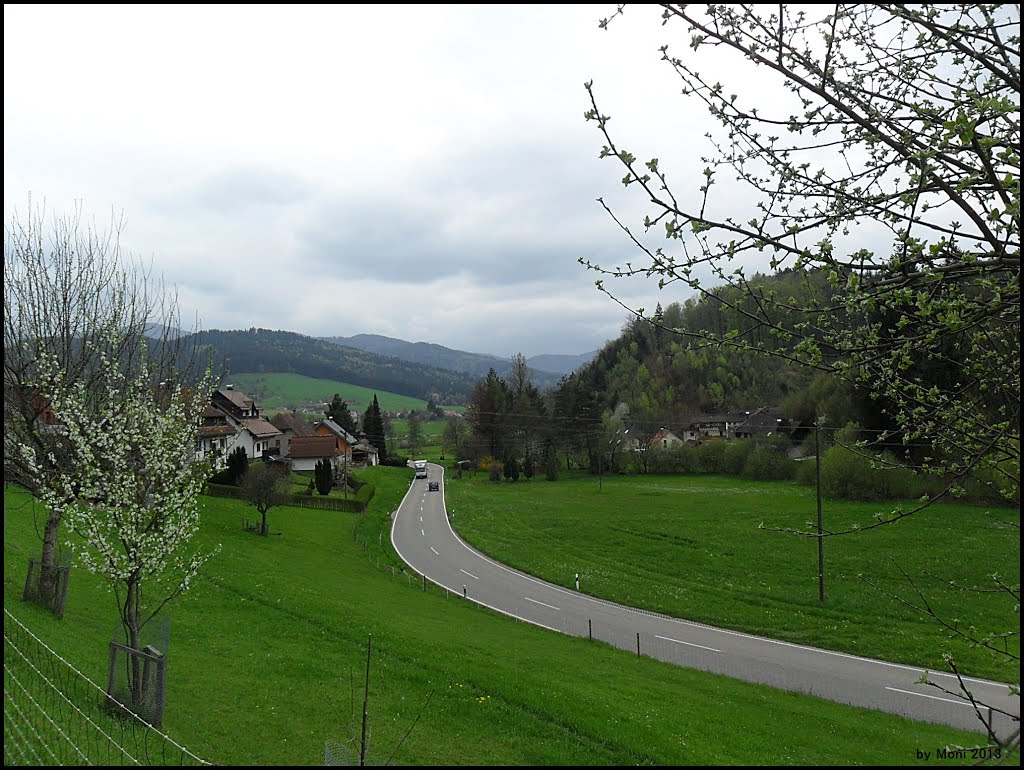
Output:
x,y
266,350
476,364
278,390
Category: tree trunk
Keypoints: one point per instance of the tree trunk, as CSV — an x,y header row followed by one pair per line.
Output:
x,y
264,529
131,623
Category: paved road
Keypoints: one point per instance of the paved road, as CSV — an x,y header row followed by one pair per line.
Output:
x,y
423,537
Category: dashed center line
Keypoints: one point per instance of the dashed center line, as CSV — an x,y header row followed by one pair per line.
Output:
x,y
434,550
688,644
423,533
468,573
542,604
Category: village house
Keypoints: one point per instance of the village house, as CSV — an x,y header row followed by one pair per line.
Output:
x,y
665,438
365,454
253,433
345,441
304,452
713,427
763,422
291,425
215,434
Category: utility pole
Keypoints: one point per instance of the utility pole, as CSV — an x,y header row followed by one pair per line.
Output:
x,y
344,479
821,537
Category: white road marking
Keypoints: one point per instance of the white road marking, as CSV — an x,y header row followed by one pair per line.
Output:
x,y
542,604
688,644
933,697
434,550
423,533
469,573
678,621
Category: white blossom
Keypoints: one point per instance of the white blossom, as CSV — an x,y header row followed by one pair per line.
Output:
x,y
131,491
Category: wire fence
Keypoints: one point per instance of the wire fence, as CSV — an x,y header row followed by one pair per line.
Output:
x,y
55,715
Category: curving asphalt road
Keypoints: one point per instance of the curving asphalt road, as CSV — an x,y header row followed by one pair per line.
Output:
x,y
423,537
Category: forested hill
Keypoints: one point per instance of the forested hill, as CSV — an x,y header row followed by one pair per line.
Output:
x,y
667,377
264,350
432,354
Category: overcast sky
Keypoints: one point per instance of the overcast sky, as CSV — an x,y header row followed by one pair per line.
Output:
x,y
419,172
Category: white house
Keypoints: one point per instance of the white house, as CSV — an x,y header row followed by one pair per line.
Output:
x,y
665,438
304,452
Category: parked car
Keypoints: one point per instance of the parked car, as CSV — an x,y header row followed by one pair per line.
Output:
x,y
433,486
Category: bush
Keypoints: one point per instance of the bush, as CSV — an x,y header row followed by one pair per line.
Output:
x,y
494,471
364,495
711,457
806,471
678,458
766,464
306,499
851,476
224,476
734,459
551,466
237,465
323,477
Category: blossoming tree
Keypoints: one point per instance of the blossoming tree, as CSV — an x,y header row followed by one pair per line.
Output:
x,y
66,286
130,494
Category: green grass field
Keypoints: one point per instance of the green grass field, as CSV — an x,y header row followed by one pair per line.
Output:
x,y
690,547
267,654
277,391
430,445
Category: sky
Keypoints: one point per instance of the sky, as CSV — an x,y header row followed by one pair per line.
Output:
x,y
421,172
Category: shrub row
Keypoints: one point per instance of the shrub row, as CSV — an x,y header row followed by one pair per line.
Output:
x,y
845,474
355,504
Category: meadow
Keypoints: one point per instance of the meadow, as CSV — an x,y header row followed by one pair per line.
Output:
x,y
281,391
267,654
691,547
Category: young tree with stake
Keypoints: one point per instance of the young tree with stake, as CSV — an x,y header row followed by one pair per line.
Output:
x,y
72,295
129,493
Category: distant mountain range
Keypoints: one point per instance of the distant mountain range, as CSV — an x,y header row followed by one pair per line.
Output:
x,y
563,364
265,350
417,369
547,369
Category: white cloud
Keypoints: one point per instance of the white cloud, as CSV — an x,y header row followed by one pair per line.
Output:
x,y
418,171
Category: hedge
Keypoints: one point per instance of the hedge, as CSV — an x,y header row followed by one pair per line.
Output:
x,y
355,504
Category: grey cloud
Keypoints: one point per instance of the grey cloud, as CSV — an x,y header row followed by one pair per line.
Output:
x,y
237,188
507,216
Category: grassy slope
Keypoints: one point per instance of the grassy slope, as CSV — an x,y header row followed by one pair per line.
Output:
x,y
286,391
691,547
269,645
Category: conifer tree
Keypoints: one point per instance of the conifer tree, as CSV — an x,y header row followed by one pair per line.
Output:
x,y
237,464
338,412
322,477
373,427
